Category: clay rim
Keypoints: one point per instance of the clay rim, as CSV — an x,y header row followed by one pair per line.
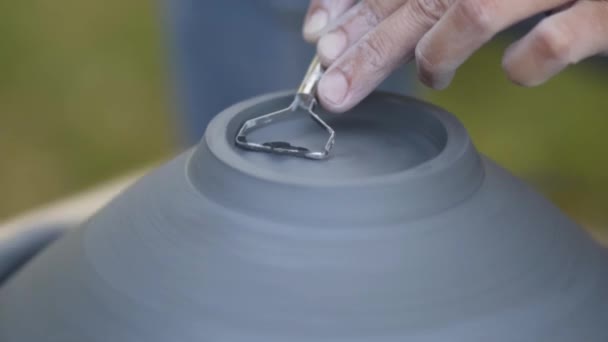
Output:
x,y
220,141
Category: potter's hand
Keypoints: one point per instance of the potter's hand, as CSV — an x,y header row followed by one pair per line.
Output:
x,y
364,44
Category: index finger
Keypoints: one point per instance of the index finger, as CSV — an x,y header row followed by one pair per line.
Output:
x,y
320,14
368,62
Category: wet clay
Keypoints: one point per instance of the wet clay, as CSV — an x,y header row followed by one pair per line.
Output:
x,y
406,233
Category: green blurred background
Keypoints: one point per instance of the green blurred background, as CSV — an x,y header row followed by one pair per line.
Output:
x,y
84,97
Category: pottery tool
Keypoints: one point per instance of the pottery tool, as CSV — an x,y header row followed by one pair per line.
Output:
x,y
303,102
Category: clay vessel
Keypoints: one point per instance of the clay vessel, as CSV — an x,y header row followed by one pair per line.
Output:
x,y
406,233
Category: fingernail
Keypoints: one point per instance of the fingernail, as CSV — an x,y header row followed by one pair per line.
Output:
x,y
444,81
332,45
316,22
436,81
512,50
526,69
333,87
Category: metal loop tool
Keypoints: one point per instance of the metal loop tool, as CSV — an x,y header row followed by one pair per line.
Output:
x,y
304,100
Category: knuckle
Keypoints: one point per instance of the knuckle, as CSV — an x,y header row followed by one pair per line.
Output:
x,y
370,11
376,51
553,41
432,9
380,8
480,14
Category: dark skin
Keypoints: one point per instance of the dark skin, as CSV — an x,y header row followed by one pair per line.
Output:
x,y
362,44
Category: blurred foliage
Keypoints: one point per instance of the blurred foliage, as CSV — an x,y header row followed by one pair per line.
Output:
x,y
83,97
554,135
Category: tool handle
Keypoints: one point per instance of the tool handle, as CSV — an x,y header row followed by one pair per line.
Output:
x,y
313,75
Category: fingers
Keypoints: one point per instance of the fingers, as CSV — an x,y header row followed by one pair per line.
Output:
x,y
372,58
355,23
465,27
561,8
373,38
559,40
320,14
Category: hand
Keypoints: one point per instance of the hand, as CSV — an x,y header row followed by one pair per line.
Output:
x,y
362,45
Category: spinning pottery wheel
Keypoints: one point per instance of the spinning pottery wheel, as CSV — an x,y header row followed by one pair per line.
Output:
x,y
405,233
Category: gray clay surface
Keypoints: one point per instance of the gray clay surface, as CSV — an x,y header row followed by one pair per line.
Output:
x,y
405,234
367,146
